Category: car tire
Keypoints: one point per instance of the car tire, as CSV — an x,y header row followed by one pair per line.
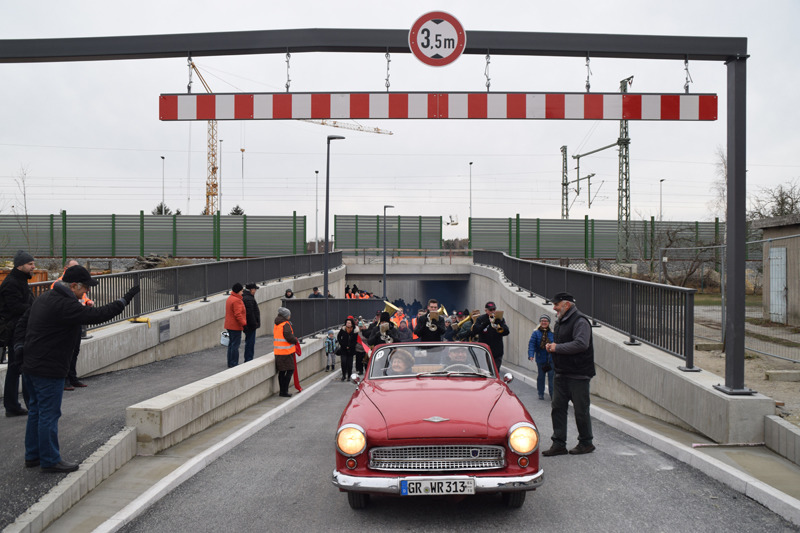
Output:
x,y
357,500
514,500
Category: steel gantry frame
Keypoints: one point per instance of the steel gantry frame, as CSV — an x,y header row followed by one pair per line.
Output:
x,y
732,51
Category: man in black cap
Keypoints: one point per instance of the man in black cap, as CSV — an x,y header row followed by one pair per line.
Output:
x,y
53,331
315,293
573,362
490,330
15,298
253,314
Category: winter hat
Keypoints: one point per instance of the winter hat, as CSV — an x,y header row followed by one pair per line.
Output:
x,y
282,311
563,297
21,258
237,287
545,317
330,332
385,317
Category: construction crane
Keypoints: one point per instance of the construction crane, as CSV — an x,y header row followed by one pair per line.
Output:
x,y
212,191
347,126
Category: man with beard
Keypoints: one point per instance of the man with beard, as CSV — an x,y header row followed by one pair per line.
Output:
x,y
573,362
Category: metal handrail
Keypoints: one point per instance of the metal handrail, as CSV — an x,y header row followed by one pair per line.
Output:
x,y
659,315
171,287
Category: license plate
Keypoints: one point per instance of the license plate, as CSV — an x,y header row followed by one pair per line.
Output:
x,y
436,487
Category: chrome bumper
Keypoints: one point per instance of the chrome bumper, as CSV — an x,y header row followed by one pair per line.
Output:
x,y
391,485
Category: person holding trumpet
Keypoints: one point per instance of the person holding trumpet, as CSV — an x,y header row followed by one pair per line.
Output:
x,y
490,329
430,326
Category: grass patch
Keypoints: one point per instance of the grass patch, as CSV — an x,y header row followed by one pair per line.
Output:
x,y
750,300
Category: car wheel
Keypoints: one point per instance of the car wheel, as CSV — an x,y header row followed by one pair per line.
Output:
x,y
514,500
358,500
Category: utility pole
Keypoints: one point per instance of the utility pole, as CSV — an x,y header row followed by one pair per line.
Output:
x,y
564,184
624,187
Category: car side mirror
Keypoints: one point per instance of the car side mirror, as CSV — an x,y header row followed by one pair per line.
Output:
x,y
507,377
356,379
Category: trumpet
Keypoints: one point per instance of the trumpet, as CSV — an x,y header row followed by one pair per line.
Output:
x,y
433,318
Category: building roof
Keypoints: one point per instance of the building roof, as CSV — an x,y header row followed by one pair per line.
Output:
x,y
777,222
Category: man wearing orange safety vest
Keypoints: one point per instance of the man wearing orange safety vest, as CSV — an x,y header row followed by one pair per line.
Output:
x,y
72,380
284,347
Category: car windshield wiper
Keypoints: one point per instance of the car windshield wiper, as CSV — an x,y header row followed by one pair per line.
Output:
x,y
429,374
451,373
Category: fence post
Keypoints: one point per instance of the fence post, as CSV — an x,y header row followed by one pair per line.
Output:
x,y
63,237
688,334
175,236
594,298
137,302
205,283
52,236
632,304
517,254
113,235
141,233
177,296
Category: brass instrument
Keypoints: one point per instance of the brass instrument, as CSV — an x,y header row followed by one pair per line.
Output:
x,y
495,321
389,308
385,337
433,318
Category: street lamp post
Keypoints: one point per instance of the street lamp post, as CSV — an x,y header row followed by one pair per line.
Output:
x,y
163,209
660,200
316,214
327,209
470,190
384,247
219,182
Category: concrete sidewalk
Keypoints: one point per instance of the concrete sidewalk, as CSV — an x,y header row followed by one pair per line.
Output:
x,y
754,471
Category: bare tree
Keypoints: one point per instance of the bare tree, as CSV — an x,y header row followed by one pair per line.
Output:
x,y
779,201
20,208
719,204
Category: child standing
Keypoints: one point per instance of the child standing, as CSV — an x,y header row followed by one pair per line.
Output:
x,y
330,351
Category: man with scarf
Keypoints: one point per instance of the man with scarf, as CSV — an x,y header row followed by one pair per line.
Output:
x,y
537,350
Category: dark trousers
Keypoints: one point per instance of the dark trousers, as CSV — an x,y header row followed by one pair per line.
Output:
x,y
41,432
347,366
360,362
234,340
577,390
249,344
11,390
284,378
540,379
72,375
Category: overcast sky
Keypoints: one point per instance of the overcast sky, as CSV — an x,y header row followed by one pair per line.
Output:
x,y
89,139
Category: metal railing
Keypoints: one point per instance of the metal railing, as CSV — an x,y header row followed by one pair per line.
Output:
x,y
308,314
659,315
165,288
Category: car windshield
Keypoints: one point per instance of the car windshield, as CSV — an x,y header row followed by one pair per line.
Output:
x,y
423,360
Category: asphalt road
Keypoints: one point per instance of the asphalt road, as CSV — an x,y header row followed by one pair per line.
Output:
x,y
279,480
92,415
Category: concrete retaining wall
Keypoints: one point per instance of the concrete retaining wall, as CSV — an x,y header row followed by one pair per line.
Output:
x,y
783,438
640,377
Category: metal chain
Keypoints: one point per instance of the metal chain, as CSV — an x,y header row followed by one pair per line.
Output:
x,y
288,79
688,76
486,73
588,74
388,60
189,65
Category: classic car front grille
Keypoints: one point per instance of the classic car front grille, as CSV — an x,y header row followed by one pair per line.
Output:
x,y
437,458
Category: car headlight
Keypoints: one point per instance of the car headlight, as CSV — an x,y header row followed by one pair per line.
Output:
x,y
351,440
523,438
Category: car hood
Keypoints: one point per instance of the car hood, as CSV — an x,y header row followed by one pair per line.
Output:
x,y
435,407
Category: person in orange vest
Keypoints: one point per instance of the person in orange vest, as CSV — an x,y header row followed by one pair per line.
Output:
x,y
235,321
284,347
72,380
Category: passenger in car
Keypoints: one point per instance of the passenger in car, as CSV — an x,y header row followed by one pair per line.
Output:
x,y
457,355
400,363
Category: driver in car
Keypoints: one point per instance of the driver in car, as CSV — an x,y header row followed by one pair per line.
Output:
x,y
457,356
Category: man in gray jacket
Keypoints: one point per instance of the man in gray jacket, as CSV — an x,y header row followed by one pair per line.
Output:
x,y
573,362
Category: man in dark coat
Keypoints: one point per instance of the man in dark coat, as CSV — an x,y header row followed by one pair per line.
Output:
x,y
15,298
425,333
53,331
253,320
384,333
573,362
491,330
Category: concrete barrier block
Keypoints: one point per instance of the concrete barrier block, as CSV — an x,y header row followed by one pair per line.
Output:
x,y
783,375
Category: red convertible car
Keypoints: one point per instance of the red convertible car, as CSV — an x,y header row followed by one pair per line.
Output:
x,y
435,419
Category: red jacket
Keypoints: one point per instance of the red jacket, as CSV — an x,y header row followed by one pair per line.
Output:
x,y
235,313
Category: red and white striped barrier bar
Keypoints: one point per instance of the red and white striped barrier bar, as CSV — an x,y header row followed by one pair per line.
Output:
x,y
569,106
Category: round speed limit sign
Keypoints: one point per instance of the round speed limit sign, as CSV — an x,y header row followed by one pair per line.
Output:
x,y
437,38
